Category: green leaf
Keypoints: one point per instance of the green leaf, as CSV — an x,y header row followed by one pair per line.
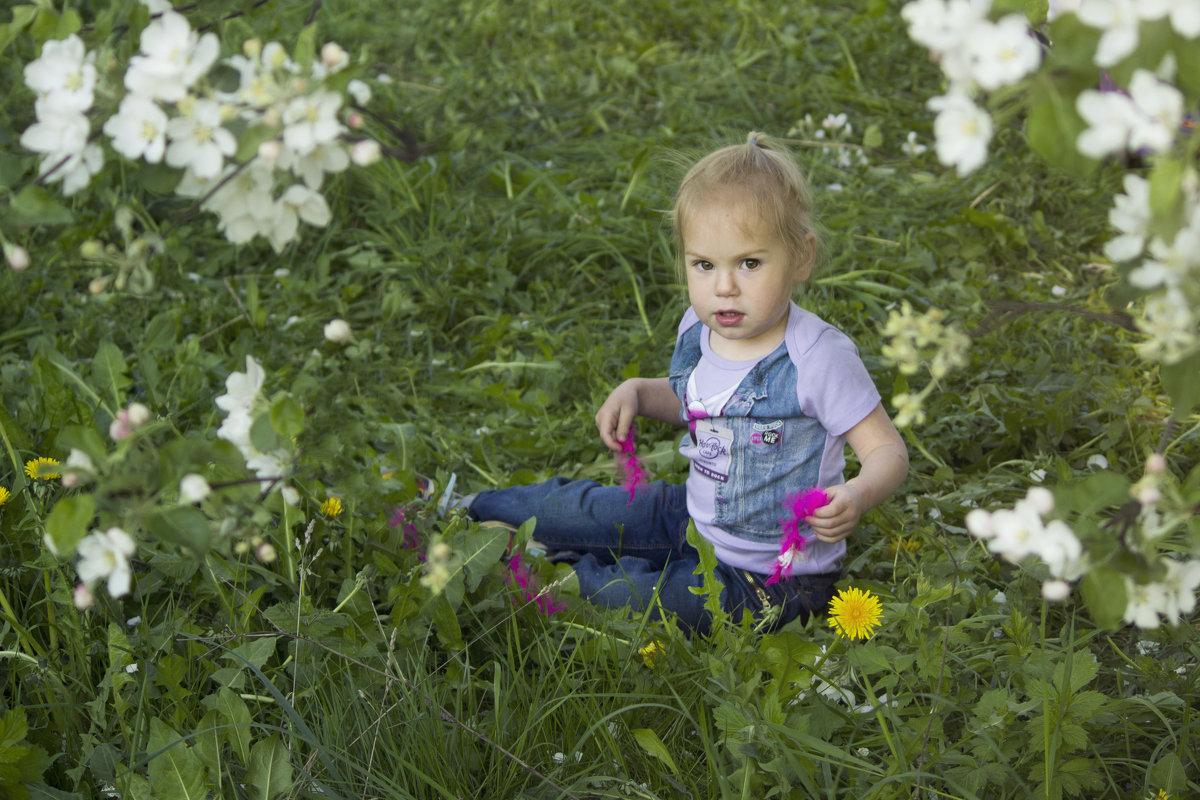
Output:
x,y
185,526
68,522
1052,129
1182,382
34,205
110,372
481,549
174,771
1169,773
1166,187
306,47
287,418
873,137
239,722
1104,593
269,770
707,567
263,436
654,747
158,179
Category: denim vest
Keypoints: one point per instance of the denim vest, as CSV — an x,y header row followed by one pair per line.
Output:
x,y
776,448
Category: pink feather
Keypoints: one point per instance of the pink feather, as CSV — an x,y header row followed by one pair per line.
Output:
x,y
799,505
633,474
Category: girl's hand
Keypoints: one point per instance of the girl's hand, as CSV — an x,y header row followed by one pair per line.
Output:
x,y
836,519
616,415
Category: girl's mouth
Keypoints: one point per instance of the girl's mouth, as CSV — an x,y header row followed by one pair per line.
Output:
x,y
729,317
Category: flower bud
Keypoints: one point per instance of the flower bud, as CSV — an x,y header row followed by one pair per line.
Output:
x,y
1149,494
337,331
97,286
18,257
120,427
252,47
193,488
83,597
1156,464
333,56
92,248
360,91
137,414
269,151
70,480
365,153
1056,591
266,553
354,120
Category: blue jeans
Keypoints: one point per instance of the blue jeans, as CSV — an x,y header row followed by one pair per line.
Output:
x,y
628,551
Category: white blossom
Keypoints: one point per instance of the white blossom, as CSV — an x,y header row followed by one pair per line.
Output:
x,y
311,167
193,488
106,555
1130,215
298,203
173,57
1185,18
198,141
1161,107
1002,52
360,91
63,76
138,129
337,331
311,120
1110,117
962,130
245,204
1119,20
242,388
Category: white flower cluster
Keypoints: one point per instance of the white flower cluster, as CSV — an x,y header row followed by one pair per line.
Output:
x,y
837,130
1121,20
64,78
171,115
1170,269
1173,597
1023,531
240,402
1144,121
974,53
914,340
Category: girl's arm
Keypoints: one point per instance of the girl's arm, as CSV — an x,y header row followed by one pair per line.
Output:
x,y
884,460
647,397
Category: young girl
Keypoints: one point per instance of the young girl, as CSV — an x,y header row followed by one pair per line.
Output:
x,y
770,395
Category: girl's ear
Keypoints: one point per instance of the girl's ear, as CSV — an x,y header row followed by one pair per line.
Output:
x,y
806,258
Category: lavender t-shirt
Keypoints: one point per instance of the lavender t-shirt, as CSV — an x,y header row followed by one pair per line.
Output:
x,y
835,389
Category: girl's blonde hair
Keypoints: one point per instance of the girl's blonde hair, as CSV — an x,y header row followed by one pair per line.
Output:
x,y
765,173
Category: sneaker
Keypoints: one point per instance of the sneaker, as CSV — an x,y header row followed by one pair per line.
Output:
x,y
449,499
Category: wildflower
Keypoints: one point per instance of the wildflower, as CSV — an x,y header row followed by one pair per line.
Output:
x,y
364,153
1002,52
337,331
106,555
855,613
266,553
332,507
1109,116
198,141
172,58
650,653
43,469
64,76
1161,107
911,146
1120,20
298,203
1161,795
311,120
193,488
360,91
4,495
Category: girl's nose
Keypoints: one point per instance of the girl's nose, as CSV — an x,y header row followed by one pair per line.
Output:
x,y
726,283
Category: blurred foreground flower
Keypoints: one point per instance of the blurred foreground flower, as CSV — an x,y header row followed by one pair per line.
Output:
x,y
855,613
337,331
193,488
4,495
106,555
42,469
650,653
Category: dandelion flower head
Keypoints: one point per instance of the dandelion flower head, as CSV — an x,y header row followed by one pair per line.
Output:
x,y
332,507
855,613
44,469
4,495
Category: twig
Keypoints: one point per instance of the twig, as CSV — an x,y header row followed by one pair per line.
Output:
x,y
983,194
1003,312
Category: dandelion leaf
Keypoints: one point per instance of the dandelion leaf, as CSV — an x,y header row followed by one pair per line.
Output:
x,y
653,746
269,769
175,771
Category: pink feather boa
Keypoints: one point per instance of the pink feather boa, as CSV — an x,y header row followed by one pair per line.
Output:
x,y
800,505
633,474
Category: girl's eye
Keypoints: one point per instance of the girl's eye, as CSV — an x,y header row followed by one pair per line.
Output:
x,y
703,266
751,263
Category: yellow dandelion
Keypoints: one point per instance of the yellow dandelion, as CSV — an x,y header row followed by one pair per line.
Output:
x,y
650,653
855,613
44,469
332,507
4,495
1162,795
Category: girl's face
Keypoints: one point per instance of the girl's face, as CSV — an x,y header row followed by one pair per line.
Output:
x,y
740,276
